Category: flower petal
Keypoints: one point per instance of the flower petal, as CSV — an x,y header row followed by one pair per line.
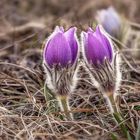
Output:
x,y
105,40
95,50
57,51
55,32
110,20
114,15
90,30
70,36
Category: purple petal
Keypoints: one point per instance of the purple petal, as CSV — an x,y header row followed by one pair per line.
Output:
x,y
114,15
70,35
110,20
57,51
105,40
55,32
90,30
95,50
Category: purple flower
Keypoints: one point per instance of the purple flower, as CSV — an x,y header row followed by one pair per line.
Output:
x,y
110,20
61,47
97,46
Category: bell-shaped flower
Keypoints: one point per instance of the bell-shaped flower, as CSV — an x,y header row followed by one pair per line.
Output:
x,y
61,48
96,46
60,58
110,20
102,63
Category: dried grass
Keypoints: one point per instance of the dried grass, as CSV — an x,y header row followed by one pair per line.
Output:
x,y
23,109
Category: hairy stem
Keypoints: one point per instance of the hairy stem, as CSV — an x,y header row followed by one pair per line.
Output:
x,y
112,102
64,106
114,108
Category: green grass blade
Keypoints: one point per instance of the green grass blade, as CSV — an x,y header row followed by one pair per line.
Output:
x,y
123,127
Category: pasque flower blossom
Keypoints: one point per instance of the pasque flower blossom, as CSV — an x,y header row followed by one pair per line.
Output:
x,y
103,65
61,48
101,61
110,20
97,46
60,58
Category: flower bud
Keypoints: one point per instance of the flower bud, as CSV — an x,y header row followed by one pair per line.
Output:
x,y
102,64
60,58
101,61
110,21
61,48
97,46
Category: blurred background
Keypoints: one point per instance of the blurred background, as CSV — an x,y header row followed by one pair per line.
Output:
x,y
28,19
69,12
